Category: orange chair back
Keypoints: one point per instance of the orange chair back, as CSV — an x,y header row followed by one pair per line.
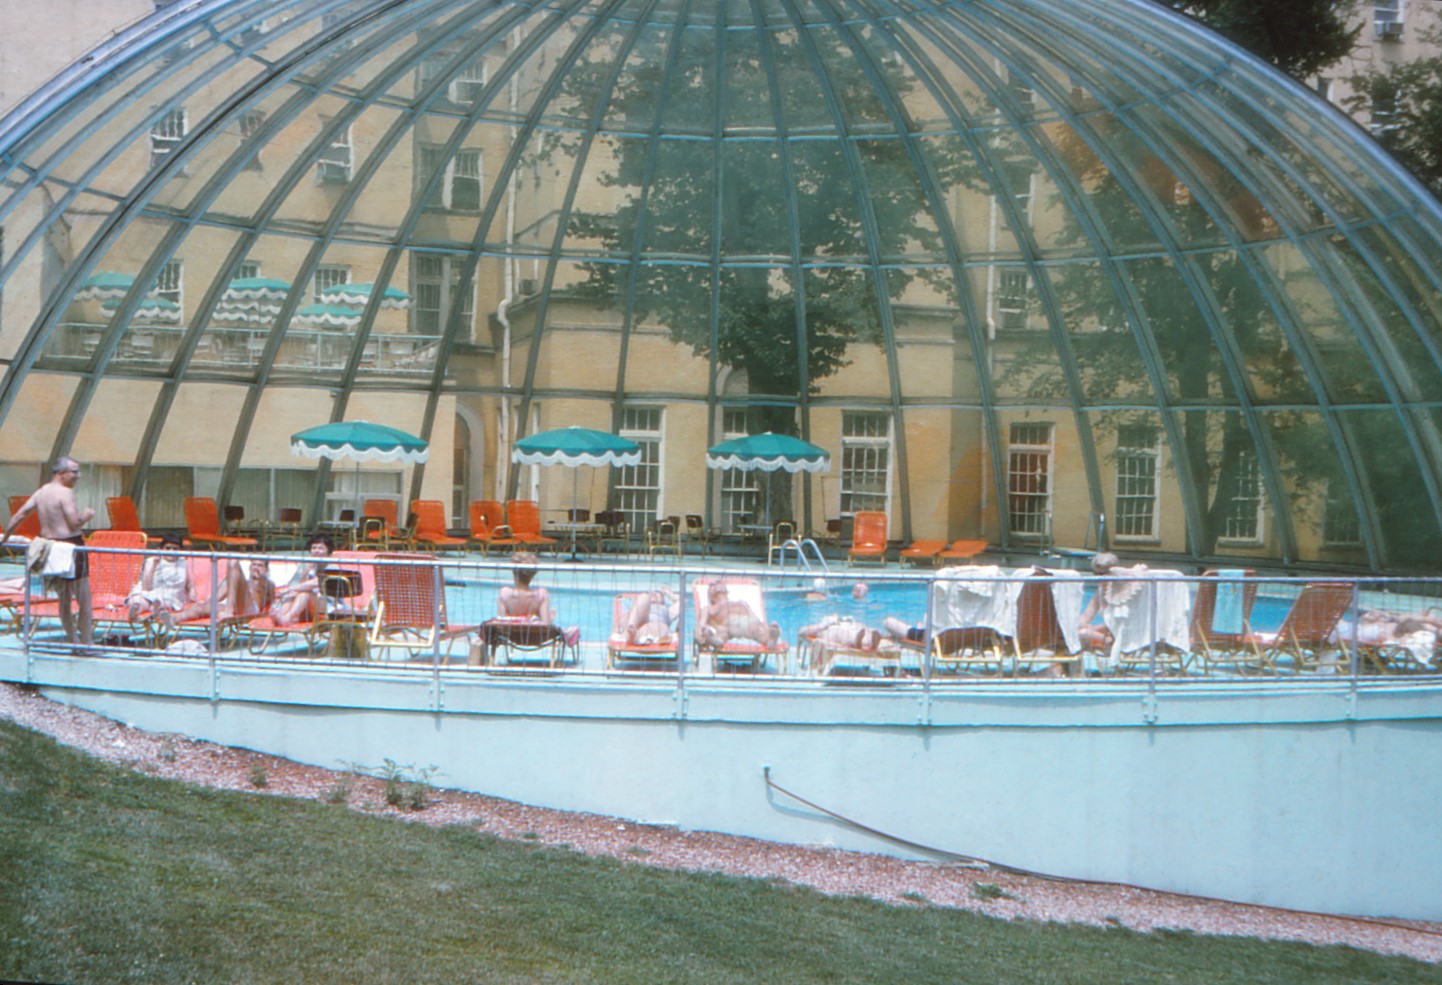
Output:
x,y
869,530
113,575
1037,624
30,526
524,516
122,512
1316,612
201,516
385,509
430,517
492,511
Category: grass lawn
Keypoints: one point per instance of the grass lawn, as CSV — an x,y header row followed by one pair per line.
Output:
x,y
107,875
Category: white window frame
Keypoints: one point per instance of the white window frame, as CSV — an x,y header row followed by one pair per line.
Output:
x,y
1136,509
166,134
740,491
1341,526
336,161
640,489
866,454
1030,456
469,80
1388,16
247,270
1013,299
250,121
443,282
326,276
464,165
1239,515
170,283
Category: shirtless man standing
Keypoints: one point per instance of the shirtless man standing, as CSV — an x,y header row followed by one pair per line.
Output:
x,y
61,519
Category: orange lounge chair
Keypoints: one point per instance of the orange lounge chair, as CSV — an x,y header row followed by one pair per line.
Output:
x,y
381,528
868,537
1304,633
124,516
1039,637
621,650
202,521
430,529
29,527
962,550
736,654
922,550
524,518
112,575
487,535
1229,644
410,612
263,630
203,572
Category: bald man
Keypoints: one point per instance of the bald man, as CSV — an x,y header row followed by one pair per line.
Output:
x,y
61,519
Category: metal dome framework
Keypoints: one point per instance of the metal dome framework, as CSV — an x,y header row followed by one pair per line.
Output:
x,y
1180,240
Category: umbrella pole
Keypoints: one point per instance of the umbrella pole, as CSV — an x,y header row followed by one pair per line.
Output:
x,y
575,480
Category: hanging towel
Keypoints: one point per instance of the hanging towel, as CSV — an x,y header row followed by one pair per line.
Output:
x,y
1227,613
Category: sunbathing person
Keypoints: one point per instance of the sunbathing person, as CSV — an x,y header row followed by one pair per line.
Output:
x,y
301,599
840,630
722,620
653,617
522,600
1109,593
164,590
247,594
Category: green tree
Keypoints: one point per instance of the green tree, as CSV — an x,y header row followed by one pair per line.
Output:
x,y
1403,101
1301,37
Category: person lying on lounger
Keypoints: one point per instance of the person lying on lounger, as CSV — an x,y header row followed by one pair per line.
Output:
x,y
844,632
653,617
724,619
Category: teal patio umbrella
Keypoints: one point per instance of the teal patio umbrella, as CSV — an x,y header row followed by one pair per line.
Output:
x,y
358,441
360,294
334,316
768,452
576,446
104,285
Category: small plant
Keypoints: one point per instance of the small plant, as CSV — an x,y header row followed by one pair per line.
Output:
x,y
339,793
258,777
405,786
912,896
989,891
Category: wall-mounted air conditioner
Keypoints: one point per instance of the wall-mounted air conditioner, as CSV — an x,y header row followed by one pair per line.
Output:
x,y
1389,30
529,285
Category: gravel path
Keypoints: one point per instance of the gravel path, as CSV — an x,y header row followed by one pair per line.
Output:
x,y
826,870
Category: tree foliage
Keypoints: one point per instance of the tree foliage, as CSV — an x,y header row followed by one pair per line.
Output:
x,y
1300,37
1404,102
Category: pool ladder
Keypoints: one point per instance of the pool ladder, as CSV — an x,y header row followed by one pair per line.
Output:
x,y
802,561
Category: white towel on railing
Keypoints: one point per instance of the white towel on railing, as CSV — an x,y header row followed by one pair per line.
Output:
x,y
979,596
1140,612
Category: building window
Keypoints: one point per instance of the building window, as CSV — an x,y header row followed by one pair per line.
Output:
x,y
1013,297
460,188
1244,515
865,461
1020,90
740,494
1341,526
437,287
247,269
468,82
165,136
250,123
1028,479
335,161
1020,179
1384,111
638,487
168,283
1135,513
1387,19
326,277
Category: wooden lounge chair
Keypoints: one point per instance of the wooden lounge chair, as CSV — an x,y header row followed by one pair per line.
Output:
x,y
524,518
1226,645
821,659
868,538
736,654
962,551
410,611
430,530
920,551
484,534
1039,638
124,516
202,521
620,650
1304,634
975,649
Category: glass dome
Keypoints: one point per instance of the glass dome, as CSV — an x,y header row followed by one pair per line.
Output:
x,y
1056,272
